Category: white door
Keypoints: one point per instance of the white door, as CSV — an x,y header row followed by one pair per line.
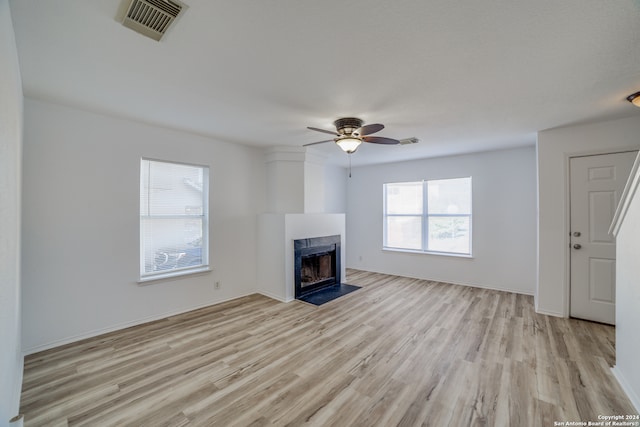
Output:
x,y
596,183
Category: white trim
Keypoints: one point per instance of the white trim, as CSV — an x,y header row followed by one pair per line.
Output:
x,y
550,313
204,217
566,285
567,230
285,154
173,275
627,195
449,282
425,217
17,389
98,332
153,159
315,157
491,288
275,297
417,251
633,397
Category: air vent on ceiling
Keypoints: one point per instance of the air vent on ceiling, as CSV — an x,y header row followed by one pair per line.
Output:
x,y
151,18
407,141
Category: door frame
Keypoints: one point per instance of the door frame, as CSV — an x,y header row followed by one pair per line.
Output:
x,y
567,214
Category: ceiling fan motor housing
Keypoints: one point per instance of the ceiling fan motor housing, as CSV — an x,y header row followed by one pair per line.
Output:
x,y
348,125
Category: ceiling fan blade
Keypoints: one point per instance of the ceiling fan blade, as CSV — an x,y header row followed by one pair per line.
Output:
x,y
323,131
369,129
319,142
380,140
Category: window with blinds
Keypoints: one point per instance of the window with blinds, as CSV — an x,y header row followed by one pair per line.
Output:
x,y
428,216
173,218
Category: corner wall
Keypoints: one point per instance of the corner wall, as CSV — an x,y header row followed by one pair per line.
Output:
x,y
11,122
554,148
627,232
81,222
504,222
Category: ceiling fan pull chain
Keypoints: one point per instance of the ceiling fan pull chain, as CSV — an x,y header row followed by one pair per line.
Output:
x,y
349,165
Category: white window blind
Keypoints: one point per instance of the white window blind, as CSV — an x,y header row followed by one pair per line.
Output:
x,y
173,218
428,216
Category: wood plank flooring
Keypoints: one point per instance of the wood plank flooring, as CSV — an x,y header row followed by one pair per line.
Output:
x,y
398,352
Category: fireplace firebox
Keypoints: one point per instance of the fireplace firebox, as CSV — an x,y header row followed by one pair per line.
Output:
x,y
316,264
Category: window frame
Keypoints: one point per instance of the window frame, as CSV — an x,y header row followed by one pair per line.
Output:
x,y
424,219
183,271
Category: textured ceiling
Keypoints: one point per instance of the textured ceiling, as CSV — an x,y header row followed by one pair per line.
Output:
x,y
460,75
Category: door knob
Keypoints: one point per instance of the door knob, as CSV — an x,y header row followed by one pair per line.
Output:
x,y
576,234
577,246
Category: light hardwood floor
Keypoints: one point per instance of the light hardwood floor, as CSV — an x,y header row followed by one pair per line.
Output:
x,y
398,351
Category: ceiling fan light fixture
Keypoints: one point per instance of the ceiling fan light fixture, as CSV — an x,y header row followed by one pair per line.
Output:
x,y
634,98
350,133
349,144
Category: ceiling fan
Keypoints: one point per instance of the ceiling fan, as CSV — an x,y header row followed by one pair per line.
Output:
x,y
350,133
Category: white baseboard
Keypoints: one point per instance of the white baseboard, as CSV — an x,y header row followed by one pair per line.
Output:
x,y
431,279
474,285
97,332
17,388
274,296
631,394
550,313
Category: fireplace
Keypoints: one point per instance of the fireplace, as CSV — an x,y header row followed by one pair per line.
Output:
x,y
316,264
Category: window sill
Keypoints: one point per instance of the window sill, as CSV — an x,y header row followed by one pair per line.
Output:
x,y
447,254
173,275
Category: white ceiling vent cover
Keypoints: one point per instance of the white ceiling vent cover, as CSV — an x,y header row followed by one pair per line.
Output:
x,y
408,141
151,18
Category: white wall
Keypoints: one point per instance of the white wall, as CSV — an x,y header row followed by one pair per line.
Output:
x,y
285,169
554,148
314,188
11,118
300,181
504,221
325,187
627,234
270,252
335,189
80,223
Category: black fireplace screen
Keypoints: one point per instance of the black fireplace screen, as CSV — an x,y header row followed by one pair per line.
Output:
x,y
316,269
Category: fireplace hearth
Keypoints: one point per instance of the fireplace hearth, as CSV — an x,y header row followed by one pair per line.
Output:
x,y
316,264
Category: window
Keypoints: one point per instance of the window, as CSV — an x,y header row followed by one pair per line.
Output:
x,y
173,218
428,216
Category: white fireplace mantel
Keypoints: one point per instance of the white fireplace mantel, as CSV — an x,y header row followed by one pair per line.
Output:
x,y
277,231
295,210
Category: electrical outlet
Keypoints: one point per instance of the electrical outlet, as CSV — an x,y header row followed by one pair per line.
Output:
x,y
217,285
